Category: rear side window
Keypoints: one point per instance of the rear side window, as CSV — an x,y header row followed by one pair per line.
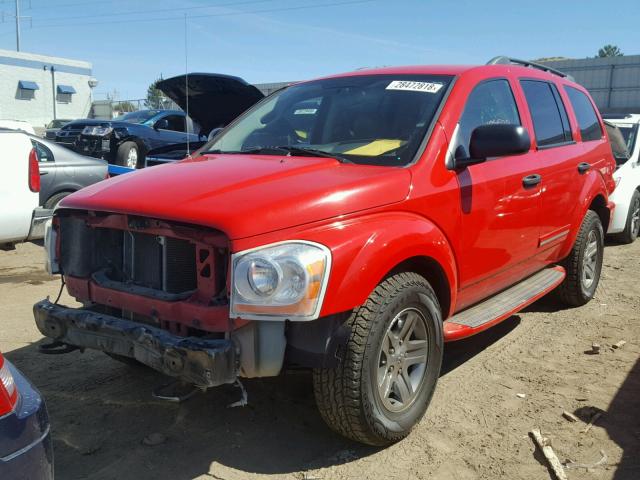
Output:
x,y
548,114
490,102
587,119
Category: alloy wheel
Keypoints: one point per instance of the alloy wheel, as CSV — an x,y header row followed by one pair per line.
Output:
x,y
590,260
132,158
635,218
402,360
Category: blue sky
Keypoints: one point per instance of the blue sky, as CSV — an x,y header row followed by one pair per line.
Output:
x,y
132,42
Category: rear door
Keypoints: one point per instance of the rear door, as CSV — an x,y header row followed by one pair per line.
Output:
x,y
499,213
558,156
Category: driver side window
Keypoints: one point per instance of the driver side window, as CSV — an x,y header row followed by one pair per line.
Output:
x,y
490,102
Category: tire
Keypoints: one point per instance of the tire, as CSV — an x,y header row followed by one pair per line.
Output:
x,y
583,276
53,201
632,227
349,397
128,155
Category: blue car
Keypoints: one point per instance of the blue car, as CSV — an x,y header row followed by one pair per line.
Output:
x,y
26,449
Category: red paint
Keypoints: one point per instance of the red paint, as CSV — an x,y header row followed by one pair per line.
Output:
x,y
479,225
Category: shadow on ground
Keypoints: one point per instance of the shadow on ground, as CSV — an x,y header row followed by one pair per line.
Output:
x,y
101,410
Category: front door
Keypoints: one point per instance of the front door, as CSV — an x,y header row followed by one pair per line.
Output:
x,y
500,213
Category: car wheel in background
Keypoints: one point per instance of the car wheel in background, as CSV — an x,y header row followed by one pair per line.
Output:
x,y
632,227
55,199
584,263
386,378
128,155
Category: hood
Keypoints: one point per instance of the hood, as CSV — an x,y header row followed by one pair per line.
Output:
x,y
214,99
246,195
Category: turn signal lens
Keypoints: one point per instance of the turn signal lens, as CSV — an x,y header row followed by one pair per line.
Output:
x,y
8,390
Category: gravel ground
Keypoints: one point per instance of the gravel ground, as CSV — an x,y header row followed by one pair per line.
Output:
x,y
476,428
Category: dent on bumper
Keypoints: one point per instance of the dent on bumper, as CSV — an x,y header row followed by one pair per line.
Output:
x,y
203,362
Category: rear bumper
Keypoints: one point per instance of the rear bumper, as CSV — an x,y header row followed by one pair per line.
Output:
x,y
26,449
203,362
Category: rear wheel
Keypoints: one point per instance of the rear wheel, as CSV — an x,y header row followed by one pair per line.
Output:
x,y
584,263
128,155
55,199
383,385
632,227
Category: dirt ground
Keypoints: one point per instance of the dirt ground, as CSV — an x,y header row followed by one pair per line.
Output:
x,y
476,428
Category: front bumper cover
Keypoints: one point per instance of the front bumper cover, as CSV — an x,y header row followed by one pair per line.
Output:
x,y
203,362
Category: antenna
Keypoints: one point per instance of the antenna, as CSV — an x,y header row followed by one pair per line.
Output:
x,y
186,82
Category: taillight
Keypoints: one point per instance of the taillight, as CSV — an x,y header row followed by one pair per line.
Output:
x,y
34,171
8,390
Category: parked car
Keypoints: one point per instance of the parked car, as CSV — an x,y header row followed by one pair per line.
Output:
x,y
26,450
20,217
213,100
126,139
53,127
409,207
623,133
17,125
63,172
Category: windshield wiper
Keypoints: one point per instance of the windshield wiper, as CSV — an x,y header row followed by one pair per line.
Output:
x,y
312,152
282,150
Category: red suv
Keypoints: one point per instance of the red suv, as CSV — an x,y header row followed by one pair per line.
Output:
x,y
351,225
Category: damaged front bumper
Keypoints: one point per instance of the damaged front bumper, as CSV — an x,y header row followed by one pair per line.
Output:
x,y
203,362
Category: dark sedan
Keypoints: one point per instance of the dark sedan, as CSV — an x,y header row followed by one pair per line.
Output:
x,y
26,450
63,172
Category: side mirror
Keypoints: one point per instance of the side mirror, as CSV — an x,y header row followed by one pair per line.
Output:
x,y
495,140
214,133
162,124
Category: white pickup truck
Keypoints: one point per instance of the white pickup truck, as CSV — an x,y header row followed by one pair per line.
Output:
x,y
20,216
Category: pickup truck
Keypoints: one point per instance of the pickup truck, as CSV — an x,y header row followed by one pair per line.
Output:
x,y
350,225
20,217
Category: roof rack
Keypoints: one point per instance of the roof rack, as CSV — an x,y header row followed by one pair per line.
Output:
x,y
502,60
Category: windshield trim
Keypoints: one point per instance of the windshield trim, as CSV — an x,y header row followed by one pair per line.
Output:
x,y
419,152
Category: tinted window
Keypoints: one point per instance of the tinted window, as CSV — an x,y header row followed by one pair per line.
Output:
x,y
175,123
548,114
585,114
490,102
42,152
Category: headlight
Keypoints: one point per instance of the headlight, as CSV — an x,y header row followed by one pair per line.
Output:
x,y
96,130
284,281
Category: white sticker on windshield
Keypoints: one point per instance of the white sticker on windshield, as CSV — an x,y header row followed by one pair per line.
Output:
x,y
305,111
410,86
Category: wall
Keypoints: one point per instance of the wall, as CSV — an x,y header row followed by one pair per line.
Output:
x,y
16,66
614,82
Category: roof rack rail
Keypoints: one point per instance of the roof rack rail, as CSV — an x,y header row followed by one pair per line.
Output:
x,y
502,60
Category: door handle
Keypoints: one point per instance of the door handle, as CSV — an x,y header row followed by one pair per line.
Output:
x,y
43,173
583,168
531,180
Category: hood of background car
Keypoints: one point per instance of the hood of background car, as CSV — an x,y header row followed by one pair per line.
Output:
x,y
246,195
214,99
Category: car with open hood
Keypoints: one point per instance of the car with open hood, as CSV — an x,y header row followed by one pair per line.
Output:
x,y
349,225
211,100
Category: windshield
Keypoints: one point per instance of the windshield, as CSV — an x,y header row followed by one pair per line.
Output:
x,y
138,117
373,119
629,133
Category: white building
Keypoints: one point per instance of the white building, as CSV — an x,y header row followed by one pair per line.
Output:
x,y
39,88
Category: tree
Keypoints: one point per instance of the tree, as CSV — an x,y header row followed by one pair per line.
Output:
x,y
609,51
155,97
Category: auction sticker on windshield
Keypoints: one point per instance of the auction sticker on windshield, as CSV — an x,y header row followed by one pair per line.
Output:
x,y
427,87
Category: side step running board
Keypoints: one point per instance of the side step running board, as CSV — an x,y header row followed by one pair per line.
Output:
x,y
502,305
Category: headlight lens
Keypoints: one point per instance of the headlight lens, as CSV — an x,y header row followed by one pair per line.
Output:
x,y
280,281
50,249
96,130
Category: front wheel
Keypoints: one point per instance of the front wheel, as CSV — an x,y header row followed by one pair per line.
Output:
x,y
382,386
128,155
584,263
